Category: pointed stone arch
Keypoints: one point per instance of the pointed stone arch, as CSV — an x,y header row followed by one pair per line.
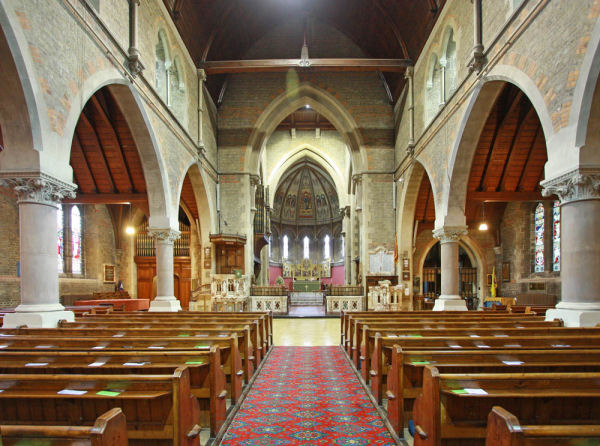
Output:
x,y
22,111
452,203
320,157
321,101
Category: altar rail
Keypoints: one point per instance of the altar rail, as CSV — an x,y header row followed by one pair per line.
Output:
x,y
276,303
273,290
336,304
345,290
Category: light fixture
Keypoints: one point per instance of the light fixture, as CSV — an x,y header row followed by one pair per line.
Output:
x,y
307,106
483,226
129,229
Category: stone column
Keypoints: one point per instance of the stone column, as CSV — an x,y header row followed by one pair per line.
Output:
x,y
450,298
579,194
38,197
346,230
165,299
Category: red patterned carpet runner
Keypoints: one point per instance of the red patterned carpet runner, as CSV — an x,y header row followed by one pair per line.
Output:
x,y
307,396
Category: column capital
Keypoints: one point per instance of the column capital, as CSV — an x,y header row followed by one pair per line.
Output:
x,y
577,185
447,234
167,235
357,178
254,180
409,72
345,211
38,188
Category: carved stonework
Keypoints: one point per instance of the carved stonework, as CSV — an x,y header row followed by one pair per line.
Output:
x,y
164,235
577,185
345,211
449,234
134,62
39,188
477,61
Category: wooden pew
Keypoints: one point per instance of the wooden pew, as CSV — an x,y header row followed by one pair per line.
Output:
x,y
159,408
347,318
104,344
109,429
355,339
439,325
453,408
230,354
265,320
256,341
563,341
504,429
405,375
163,330
377,346
207,378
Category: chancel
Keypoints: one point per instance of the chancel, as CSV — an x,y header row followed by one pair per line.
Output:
x,y
299,222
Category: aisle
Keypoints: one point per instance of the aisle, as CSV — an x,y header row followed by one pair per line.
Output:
x,y
307,396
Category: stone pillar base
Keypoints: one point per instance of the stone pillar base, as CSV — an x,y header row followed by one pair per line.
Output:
x,y
450,303
165,304
46,319
574,318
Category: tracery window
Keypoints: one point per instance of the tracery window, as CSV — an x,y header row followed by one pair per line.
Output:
x,y
163,65
556,236
76,240
448,64
306,247
70,240
285,247
326,248
539,234
61,235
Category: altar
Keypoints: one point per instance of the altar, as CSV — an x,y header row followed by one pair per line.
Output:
x,y
307,285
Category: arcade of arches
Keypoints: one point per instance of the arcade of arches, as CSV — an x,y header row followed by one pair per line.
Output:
x,y
447,134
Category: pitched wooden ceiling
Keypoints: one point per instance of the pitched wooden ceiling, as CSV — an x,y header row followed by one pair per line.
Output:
x,y
105,160
305,119
425,207
508,164
226,29
104,156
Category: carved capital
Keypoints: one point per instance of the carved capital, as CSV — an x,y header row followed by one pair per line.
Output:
x,y
39,188
580,184
357,179
164,235
409,73
134,62
345,211
254,180
477,59
449,234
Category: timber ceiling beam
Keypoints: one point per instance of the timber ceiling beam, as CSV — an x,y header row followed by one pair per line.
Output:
x,y
501,197
262,65
107,199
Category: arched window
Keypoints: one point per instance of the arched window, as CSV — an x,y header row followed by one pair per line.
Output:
x,y
177,89
163,65
326,248
448,65
433,97
306,247
539,233
556,236
76,240
60,224
285,247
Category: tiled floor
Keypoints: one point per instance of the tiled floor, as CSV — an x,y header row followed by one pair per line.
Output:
x,y
306,332
304,311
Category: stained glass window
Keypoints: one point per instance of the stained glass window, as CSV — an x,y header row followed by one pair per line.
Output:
x,y
285,246
556,236
539,238
76,240
306,248
61,235
326,253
